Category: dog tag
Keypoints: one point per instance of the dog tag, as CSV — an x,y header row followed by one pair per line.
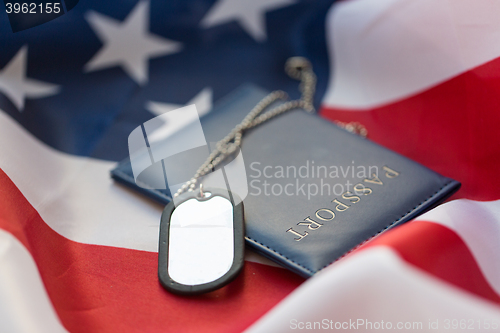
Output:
x,y
201,242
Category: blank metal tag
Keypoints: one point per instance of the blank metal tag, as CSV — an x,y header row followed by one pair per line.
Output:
x,y
201,242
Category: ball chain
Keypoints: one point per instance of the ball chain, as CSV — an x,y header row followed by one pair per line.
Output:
x,y
298,68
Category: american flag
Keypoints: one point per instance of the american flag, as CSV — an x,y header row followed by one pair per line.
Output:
x,y
78,253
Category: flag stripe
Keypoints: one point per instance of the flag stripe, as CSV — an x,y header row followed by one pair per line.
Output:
x,y
24,305
478,225
376,285
439,251
386,50
451,128
75,195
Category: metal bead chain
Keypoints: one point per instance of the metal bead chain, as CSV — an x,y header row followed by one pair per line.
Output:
x,y
353,127
298,68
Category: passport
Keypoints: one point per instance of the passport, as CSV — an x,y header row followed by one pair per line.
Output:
x,y
313,191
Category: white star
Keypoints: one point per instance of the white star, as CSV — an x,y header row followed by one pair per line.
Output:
x,y
17,87
249,13
203,102
128,44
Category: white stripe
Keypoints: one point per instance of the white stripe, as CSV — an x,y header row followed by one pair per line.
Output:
x,y
76,196
382,51
24,303
478,224
376,285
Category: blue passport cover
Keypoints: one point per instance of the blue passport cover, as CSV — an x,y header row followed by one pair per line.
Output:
x,y
315,191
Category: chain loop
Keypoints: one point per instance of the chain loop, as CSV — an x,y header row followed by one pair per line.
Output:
x,y
298,68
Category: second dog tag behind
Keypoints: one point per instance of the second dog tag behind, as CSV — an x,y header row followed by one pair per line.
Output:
x,y
201,242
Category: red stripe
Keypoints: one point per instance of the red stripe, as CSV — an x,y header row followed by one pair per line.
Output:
x,y
439,251
106,289
451,128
